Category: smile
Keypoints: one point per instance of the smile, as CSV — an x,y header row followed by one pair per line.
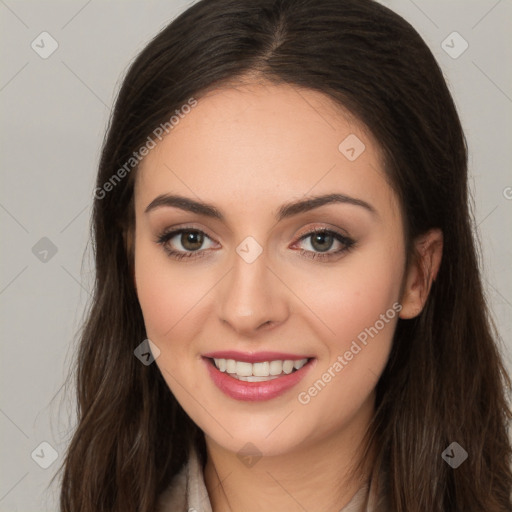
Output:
x,y
258,372
267,376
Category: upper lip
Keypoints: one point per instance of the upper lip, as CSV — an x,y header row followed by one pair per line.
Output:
x,y
255,357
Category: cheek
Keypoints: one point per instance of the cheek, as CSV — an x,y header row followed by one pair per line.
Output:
x,y
352,298
156,298
358,305
170,299
167,294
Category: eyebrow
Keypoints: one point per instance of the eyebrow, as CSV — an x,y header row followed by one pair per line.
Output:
x,y
285,211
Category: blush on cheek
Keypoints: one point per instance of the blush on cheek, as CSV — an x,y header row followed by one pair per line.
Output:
x,y
160,298
352,309
159,310
364,286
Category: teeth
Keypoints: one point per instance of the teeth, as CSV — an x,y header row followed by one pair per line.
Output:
x,y
299,364
243,369
258,372
221,364
254,378
288,366
276,367
261,369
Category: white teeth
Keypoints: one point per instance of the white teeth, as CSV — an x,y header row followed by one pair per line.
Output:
x,y
243,369
230,366
221,364
261,369
257,372
254,378
287,367
276,367
299,364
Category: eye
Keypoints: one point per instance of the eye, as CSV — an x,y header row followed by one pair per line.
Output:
x,y
191,241
322,240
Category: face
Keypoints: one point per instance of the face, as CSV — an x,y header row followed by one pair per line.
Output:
x,y
259,275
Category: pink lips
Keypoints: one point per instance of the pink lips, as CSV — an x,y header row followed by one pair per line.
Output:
x,y
255,391
257,357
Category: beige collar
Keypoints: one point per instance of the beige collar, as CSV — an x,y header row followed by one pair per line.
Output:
x,y
187,493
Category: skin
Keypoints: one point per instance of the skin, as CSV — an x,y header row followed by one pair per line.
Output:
x,y
248,150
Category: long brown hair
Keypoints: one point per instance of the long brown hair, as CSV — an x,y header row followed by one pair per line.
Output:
x,y
445,380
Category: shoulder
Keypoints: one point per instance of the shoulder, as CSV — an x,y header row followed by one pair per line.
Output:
x,y
174,498
187,490
378,496
372,496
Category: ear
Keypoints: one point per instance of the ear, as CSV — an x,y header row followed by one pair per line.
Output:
x,y
423,269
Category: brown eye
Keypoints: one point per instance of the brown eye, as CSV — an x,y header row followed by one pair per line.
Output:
x,y
322,241
191,240
185,243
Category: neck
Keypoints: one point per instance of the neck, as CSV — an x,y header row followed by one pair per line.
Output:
x,y
314,477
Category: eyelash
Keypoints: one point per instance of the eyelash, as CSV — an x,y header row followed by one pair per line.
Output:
x,y
347,242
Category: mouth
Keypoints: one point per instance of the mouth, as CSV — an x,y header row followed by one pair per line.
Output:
x,y
258,372
263,378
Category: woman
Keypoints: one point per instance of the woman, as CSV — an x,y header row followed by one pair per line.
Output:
x,y
288,313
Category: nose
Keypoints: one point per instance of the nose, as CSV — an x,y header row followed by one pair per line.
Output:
x,y
252,297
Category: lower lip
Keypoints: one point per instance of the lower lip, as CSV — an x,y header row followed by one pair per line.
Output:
x,y
255,391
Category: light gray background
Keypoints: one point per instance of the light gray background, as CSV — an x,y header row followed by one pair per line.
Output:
x,y
54,114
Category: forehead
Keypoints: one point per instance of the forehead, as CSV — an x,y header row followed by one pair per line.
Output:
x,y
264,141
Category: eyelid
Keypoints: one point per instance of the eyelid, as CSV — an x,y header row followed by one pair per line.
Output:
x,y
321,227
184,227
343,238
169,233
346,241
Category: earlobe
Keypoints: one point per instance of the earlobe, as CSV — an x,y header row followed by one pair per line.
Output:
x,y
422,271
